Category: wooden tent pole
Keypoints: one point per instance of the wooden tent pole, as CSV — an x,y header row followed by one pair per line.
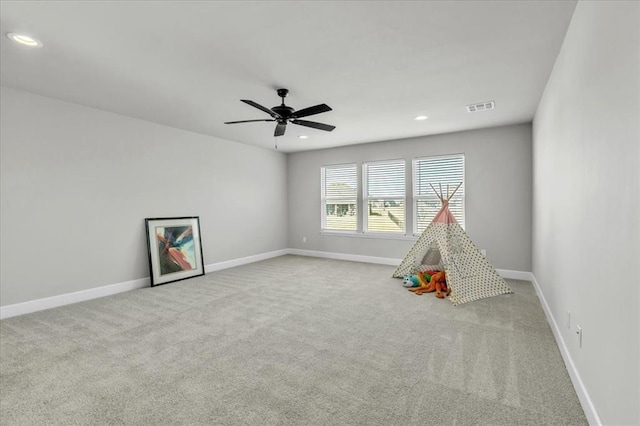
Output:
x,y
436,192
454,191
448,196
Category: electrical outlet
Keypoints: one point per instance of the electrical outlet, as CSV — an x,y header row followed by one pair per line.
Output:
x,y
579,333
304,240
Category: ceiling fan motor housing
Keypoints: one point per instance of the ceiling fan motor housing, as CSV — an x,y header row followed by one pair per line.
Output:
x,y
284,111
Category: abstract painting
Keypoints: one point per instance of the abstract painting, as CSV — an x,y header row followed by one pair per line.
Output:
x,y
175,249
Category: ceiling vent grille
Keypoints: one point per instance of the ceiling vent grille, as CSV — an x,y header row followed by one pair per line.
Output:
x,y
482,106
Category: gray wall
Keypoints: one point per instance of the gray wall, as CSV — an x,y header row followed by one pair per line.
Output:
x,y
77,184
498,191
586,190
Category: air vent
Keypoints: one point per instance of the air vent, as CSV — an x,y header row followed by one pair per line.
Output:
x,y
482,106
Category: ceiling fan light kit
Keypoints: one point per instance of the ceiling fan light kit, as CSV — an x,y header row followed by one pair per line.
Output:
x,y
283,114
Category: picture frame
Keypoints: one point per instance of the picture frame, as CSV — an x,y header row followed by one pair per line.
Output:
x,y
175,249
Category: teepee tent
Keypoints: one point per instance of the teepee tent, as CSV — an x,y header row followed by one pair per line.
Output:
x,y
469,274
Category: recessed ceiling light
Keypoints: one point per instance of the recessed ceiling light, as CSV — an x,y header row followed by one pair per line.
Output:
x,y
24,40
421,117
303,137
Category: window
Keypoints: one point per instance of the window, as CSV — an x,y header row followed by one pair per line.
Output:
x,y
384,196
441,172
339,197
380,190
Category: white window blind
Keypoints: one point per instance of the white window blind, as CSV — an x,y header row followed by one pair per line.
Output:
x,y
339,197
439,172
384,196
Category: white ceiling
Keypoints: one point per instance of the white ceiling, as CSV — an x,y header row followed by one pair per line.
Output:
x,y
377,64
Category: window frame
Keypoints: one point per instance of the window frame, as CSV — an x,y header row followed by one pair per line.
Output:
x,y
410,199
365,197
416,197
324,198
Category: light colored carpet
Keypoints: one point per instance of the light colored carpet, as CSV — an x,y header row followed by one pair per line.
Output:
x,y
287,341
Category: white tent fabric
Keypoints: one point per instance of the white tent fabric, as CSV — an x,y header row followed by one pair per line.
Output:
x,y
469,274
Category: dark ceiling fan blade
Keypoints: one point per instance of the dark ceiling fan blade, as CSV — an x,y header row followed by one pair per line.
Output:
x,y
280,128
320,126
246,121
317,109
261,108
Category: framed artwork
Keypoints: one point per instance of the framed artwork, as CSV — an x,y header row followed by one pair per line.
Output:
x,y
175,249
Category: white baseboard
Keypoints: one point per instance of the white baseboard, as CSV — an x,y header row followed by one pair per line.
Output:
x,y
94,293
504,273
69,298
108,290
515,275
587,405
345,256
244,260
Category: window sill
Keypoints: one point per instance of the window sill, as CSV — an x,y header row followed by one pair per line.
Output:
x,y
374,235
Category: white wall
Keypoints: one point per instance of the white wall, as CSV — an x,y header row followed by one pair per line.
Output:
x,y
78,182
586,190
498,193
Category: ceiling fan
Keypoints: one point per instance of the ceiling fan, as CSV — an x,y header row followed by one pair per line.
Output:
x,y
283,114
